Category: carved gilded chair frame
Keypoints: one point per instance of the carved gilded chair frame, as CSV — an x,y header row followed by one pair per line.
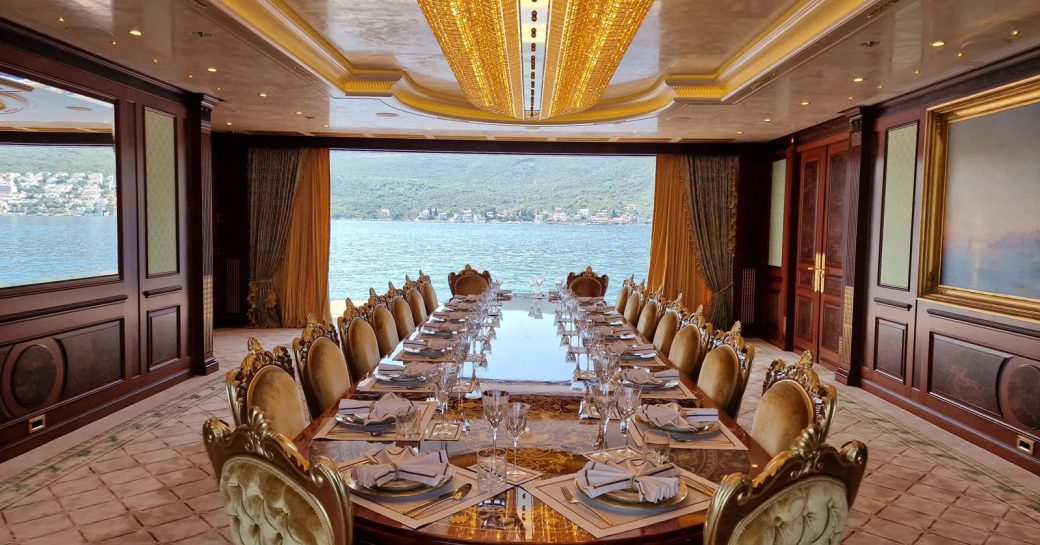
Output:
x,y
237,380
588,275
468,270
745,360
824,397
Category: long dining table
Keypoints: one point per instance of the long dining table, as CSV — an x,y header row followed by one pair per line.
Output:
x,y
527,359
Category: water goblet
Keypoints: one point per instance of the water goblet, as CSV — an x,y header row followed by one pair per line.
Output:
x,y
516,423
604,400
629,400
494,403
658,447
406,423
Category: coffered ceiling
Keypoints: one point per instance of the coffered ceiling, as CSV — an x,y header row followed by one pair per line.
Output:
x,y
724,70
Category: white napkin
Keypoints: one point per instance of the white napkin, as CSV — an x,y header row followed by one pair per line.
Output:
x,y
387,407
415,369
671,414
443,326
394,463
639,375
702,415
641,348
414,343
654,483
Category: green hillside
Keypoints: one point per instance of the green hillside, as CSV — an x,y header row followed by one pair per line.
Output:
x,y
364,182
58,159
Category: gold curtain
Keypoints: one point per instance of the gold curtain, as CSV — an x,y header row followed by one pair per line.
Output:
x,y
272,187
673,251
303,280
711,185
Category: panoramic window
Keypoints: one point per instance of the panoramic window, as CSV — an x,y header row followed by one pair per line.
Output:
x,y
57,199
523,217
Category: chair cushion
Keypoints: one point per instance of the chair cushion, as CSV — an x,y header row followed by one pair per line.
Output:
x,y
647,324
386,330
685,351
274,392
362,349
403,317
586,287
429,296
812,511
622,297
664,335
782,413
470,285
325,375
267,508
719,375
415,300
633,306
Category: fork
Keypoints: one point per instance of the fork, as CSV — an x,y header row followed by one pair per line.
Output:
x,y
575,501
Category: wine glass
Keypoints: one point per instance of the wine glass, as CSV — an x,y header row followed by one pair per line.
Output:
x,y
516,423
629,400
443,386
604,400
495,402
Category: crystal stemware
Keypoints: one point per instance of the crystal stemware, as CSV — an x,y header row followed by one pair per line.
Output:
x,y
516,423
604,400
495,403
628,402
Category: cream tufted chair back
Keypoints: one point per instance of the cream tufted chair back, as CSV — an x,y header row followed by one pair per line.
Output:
x,y
685,351
362,349
802,497
415,300
275,393
633,305
468,281
386,329
622,298
237,380
647,323
725,371
793,399
402,312
272,494
323,368
664,335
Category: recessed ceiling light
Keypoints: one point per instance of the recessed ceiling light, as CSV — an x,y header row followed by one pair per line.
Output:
x,y
960,53
917,72
768,120
211,69
190,76
229,123
218,88
851,98
805,103
938,43
136,32
880,86
326,126
857,79
114,42
61,19
156,61
299,113
1014,33
263,95
740,132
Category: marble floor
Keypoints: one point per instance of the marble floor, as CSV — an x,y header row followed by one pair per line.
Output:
x,y
141,475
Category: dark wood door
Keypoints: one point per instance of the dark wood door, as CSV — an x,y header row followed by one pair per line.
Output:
x,y
820,254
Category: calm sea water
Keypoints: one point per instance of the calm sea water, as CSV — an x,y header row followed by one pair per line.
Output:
x,y
37,249
367,254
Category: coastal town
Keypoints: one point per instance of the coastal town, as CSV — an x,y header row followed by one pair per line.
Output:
x,y
57,194
626,216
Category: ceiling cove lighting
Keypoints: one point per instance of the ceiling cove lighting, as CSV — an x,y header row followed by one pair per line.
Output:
x,y
478,38
534,59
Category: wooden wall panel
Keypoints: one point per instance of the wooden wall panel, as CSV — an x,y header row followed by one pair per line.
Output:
x,y
164,337
965,372
94,357
890,340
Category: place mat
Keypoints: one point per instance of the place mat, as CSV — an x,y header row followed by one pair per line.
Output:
x,y
722,440
370,384
394,508
330,430
679,392
616,454
548,490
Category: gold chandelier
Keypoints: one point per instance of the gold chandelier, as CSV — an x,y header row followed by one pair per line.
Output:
x,y
534,59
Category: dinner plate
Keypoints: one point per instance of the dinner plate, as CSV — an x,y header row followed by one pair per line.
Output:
x,y
399,488
358,422
666,385
629,498
703,429
399,379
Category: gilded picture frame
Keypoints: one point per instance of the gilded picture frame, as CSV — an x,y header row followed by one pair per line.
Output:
x,y
937,138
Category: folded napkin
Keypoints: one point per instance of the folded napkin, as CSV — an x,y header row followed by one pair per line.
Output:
x,y
449,316
607,319
638,375
654,483
670,414
443,326
401,463
387,407
642,347
416,369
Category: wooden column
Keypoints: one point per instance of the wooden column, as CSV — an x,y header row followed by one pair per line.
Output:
x,y
200,164
857,243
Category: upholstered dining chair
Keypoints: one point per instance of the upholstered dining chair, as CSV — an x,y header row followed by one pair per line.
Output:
x,y
323,368
707,332
667,327
428,293
725,371
361,344
272,494
686,350
276,394
587,283
237,381
646,325
633,305
383,323
468,281
792,399
802,497
622,296
418,304
402,312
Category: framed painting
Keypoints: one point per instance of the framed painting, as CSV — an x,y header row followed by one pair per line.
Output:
x,y
981,228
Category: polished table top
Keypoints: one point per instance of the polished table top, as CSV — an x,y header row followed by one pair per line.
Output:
x,y
527,359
